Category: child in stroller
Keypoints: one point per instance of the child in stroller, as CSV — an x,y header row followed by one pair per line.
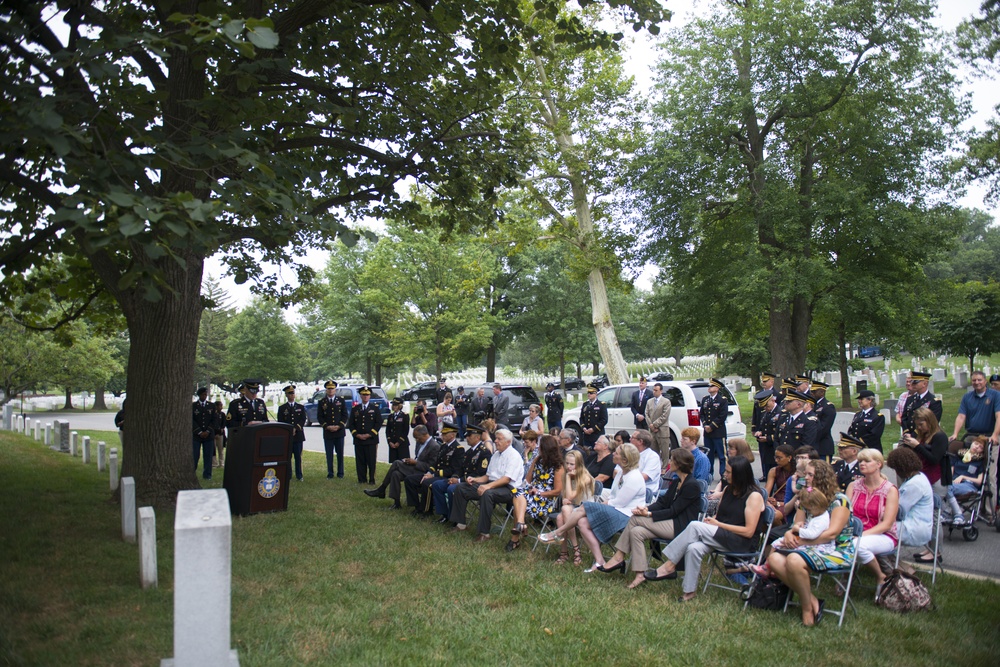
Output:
x,y
969,465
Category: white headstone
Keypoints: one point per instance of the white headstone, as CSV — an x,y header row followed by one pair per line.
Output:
x,y
48,434
113,469
147,548
961,380
939,374
128,508
901,379
101,448
8,417
86,449
841,423
72,443
202,580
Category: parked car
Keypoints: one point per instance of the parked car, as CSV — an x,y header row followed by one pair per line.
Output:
x,y
572,383
685,398
661,377
600,380
424,390
521,398
870,351
348,392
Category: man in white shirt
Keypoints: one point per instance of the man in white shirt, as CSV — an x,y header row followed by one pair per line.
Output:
x,y
649,462
504,474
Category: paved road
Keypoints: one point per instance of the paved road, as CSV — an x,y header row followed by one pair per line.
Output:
x,y
979,558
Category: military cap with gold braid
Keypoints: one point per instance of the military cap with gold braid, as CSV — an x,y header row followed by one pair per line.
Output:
x,y
849,441
789,383
767,375
290,389
763,396
794,395
330,384
717,382
816,384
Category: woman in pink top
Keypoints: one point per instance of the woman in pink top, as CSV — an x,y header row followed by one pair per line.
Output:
x,y
874,500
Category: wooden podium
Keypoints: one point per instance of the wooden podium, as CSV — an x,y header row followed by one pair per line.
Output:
x,y
258,468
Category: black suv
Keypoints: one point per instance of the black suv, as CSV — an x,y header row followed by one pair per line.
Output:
x,y
424,390
521,398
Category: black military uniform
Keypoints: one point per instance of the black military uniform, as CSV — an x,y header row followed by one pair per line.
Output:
x,y
593,415
826,413
397,431
713,412
204,432
847,473
553,407
868,425
757,416
293,413
762,430
244,410
800,430
332,412
441,391
475,461
917,401
450,458
366,419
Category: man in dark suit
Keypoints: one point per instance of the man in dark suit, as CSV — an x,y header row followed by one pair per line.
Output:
x,y
501,402
450,456
922,397
481,408
331,413
868,423
593,418
826,413
427,449
293,413
397,432
638,405
366,420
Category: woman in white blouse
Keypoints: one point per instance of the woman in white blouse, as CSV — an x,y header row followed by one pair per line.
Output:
x,y
598,522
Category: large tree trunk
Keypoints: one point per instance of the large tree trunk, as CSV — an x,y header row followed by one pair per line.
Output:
x,y
368,369
491,364
99,403
69,400
378,374
164,336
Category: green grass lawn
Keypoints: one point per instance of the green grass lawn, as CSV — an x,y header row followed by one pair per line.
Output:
x,y
338,579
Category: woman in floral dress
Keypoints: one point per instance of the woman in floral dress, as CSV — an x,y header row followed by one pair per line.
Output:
x,y
541,490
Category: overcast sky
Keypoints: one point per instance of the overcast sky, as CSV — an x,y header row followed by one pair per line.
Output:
x,y
985,98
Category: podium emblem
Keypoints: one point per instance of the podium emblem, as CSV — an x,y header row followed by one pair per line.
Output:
x,y
268,485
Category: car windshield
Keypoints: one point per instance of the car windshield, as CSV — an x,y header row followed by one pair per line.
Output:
x,y
701,391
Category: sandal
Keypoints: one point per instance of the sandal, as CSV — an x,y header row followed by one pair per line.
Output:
x,y
563,557
577,558
518,529
512,545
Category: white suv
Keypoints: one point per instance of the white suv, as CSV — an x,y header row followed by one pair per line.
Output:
x,y
685,399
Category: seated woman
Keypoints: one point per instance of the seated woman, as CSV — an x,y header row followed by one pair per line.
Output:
x,y
665,518
578,488
915,520
597,521
621,437
601,465
874,500
777,479
968,470
736,527
931,444
530,441
541,490
734,447
815,554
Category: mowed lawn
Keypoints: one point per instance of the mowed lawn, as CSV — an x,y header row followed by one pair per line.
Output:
x,y
338,579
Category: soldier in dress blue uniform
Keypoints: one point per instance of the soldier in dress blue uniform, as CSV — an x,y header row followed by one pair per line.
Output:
x,y
826,413
713,412
593,418
293,413
846,466
450,459
331,413
553,408
868,423
397,432
204,433
799,428
756,419
247,409
475,460
921,398
764,404
366,420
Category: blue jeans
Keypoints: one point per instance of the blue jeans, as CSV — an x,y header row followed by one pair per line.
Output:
x,y
461,421
441,491
716,448
962,488
204,447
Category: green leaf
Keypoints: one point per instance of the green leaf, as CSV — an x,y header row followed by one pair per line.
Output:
x,y
48,119
233,29
263,38
130,225
120,198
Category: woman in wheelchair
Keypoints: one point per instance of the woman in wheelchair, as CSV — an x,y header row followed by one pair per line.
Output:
x,y
814,555
968,467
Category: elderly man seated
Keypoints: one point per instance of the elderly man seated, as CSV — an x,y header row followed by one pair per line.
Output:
x,y
427,449
649,462
504,474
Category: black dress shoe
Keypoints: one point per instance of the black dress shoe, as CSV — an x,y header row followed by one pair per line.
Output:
x,y
374,493
651,575
617,568
394,506
443,519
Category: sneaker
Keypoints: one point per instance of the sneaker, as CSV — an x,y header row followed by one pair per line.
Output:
x,y
959,520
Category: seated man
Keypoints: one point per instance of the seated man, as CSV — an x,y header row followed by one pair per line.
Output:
x,y
476,460
449,463
504,474
649,462
702,466
427,448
